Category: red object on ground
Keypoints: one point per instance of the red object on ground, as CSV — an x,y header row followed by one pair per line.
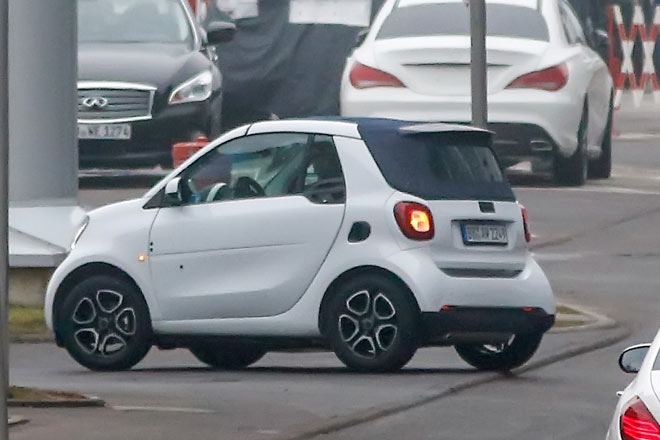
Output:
x,y
183,150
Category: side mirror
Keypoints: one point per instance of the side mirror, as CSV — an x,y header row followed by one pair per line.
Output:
x,y
218,32
601,40
173,194
632,358
361,36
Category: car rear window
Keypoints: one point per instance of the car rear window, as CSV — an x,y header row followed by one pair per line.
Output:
x,y
438,166
454,19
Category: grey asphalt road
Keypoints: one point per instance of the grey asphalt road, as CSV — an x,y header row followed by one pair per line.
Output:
x,y
607,261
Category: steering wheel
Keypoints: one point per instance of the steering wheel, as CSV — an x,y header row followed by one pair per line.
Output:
x,y
247,187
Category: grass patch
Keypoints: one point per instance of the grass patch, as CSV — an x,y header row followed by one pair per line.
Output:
x,y
23,394
565,310
26,320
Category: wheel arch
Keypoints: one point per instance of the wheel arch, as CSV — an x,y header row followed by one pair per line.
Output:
x,y
77,275
375,271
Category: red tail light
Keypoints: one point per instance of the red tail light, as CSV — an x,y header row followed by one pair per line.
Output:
x,y
551,79
528,234
415,220
364,77
637,422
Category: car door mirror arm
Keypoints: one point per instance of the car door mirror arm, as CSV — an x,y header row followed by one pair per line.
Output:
x,y
173,193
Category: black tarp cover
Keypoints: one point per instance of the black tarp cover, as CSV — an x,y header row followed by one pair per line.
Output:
x,y
274,67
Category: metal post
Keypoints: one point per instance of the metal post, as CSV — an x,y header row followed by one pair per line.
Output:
x,y
4,207
479,71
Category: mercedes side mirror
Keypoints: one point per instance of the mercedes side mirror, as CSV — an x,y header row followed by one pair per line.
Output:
x,y
601,40
632,358
173,193
218,32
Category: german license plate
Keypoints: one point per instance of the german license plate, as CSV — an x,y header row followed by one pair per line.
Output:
x,y
484,234
104,131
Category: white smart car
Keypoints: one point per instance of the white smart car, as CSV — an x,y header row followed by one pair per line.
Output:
x,y
549,94
638,410
370,237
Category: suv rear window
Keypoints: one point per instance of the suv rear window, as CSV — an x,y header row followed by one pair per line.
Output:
x,y
437,166
454,19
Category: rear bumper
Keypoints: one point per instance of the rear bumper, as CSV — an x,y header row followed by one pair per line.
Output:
x,y
554,114
435,289
453,324
515,143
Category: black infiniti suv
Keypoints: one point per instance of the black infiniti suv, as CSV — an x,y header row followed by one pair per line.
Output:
x,y
147,78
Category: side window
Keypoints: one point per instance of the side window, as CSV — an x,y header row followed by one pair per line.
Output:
x,y
324,180
569,32
571,24
266,165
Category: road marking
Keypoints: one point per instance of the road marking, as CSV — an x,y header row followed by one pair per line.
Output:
x,y
541,256
592,189
163,409
268,432
636,136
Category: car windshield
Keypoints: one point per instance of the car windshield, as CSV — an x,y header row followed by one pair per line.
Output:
x,y
133,21
454,19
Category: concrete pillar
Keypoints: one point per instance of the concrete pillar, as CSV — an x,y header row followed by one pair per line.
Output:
x,y
43,74
43,151
43,148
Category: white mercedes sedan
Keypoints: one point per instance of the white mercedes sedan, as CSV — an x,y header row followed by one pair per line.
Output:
x,y
638,411
549,93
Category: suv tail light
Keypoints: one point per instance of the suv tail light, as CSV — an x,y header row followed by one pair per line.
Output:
x,y
415,220
551,79
528,234
364,77
637,422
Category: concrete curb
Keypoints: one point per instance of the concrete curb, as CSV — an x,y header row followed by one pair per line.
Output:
x,y
17,420
31,339
599,321
344,422
86,402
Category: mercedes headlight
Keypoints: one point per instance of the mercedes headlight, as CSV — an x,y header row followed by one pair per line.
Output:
x,y
79,232
196,89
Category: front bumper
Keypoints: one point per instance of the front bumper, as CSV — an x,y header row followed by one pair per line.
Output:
x,y
151,140
459,324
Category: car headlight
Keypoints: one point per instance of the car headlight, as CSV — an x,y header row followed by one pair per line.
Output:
x,y
79,232
196,89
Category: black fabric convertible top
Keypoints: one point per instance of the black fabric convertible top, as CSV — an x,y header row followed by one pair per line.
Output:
x,y
436,165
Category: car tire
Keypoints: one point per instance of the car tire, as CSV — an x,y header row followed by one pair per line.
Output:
x,y
372,323
573,171
601,168
502,357
228,357
104,323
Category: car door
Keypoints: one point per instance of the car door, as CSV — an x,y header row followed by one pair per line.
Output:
x,y
258,218
591,64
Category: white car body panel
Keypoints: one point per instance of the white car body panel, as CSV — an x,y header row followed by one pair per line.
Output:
x,y
436,74
644,386
117,235
280,293
267,260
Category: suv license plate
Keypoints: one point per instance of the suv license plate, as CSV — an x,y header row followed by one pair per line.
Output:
x,y
474,234
104,131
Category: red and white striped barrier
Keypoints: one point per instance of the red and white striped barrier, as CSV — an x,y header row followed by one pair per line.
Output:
x,y
622,67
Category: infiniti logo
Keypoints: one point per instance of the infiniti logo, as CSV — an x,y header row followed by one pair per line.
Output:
x,y
95,102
